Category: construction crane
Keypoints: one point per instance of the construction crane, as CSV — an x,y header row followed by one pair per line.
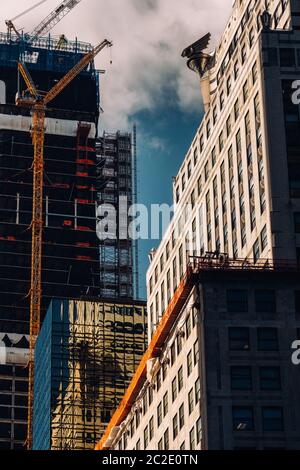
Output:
x,y
47,23
38,102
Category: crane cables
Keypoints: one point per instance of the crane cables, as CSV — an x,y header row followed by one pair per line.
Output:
x,y
28,10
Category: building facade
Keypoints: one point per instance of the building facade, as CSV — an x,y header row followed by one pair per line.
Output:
x,y
237,190
86,355
70,263
236,199
223,378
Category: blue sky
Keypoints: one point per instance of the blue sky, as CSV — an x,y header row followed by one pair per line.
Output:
x,y
174,130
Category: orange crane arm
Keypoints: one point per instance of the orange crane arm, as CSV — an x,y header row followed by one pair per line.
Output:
x,y
69,77
27,78
38,104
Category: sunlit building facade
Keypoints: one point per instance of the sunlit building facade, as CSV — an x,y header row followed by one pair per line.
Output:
x,y
85,357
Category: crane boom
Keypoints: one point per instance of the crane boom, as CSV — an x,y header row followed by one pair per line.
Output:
x,y
53,18
75,71
38,104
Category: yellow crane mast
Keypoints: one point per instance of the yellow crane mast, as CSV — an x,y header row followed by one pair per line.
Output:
x,y
38,103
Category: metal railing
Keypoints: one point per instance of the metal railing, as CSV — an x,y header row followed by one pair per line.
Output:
x,y
50,43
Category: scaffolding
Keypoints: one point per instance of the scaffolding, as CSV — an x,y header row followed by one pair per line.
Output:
x,y
114,180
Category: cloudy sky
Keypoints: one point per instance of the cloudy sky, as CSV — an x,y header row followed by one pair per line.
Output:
x,y
148,82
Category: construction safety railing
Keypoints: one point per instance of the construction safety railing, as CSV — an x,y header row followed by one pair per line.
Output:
x,y
49,42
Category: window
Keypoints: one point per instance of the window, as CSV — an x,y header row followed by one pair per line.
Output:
x,y
137,419
264,238
265,301
197,391
166,440
241,378
272,418
245,91
145,404
175,426
222,100
159,414
256,247
269,378
239,339
138,445
160,445
228,86
191,401
199,430
236,110
297,302
297,222
251,37
146,437
151,429
180,379
243,419
287,57
181,416
182,447
173,353
188,326
228,126
189,363
195,156
267,339
244,54
236,69
192,439
179,343
237,300
174,390
158,380
165,404
150,395
215,115
131,427
196,352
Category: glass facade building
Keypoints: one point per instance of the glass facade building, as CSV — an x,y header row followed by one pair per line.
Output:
x,y
85,357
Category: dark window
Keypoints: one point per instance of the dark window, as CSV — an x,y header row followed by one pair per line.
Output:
x,y
241,378
297,301
21,413
265,301
5,385
269,378
297,222
287,57
173,353
5,430
239,339
5,399
5,412
272,418
237,300
243,419
21,386
20,431
267,339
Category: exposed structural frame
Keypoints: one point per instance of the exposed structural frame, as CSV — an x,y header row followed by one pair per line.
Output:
x,y
38,104
135,201
194,269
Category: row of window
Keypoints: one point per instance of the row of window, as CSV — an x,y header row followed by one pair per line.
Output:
x,y
166,290
161,412
242,378
272,419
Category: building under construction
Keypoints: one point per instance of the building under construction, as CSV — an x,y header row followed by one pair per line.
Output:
x,y
86,355
116,171
70,263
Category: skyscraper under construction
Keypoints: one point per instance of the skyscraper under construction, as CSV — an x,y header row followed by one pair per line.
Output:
x,y
70,265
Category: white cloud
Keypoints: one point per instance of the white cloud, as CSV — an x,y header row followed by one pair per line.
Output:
x,y
148,36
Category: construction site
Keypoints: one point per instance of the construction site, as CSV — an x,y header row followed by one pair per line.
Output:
x,y
54,172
